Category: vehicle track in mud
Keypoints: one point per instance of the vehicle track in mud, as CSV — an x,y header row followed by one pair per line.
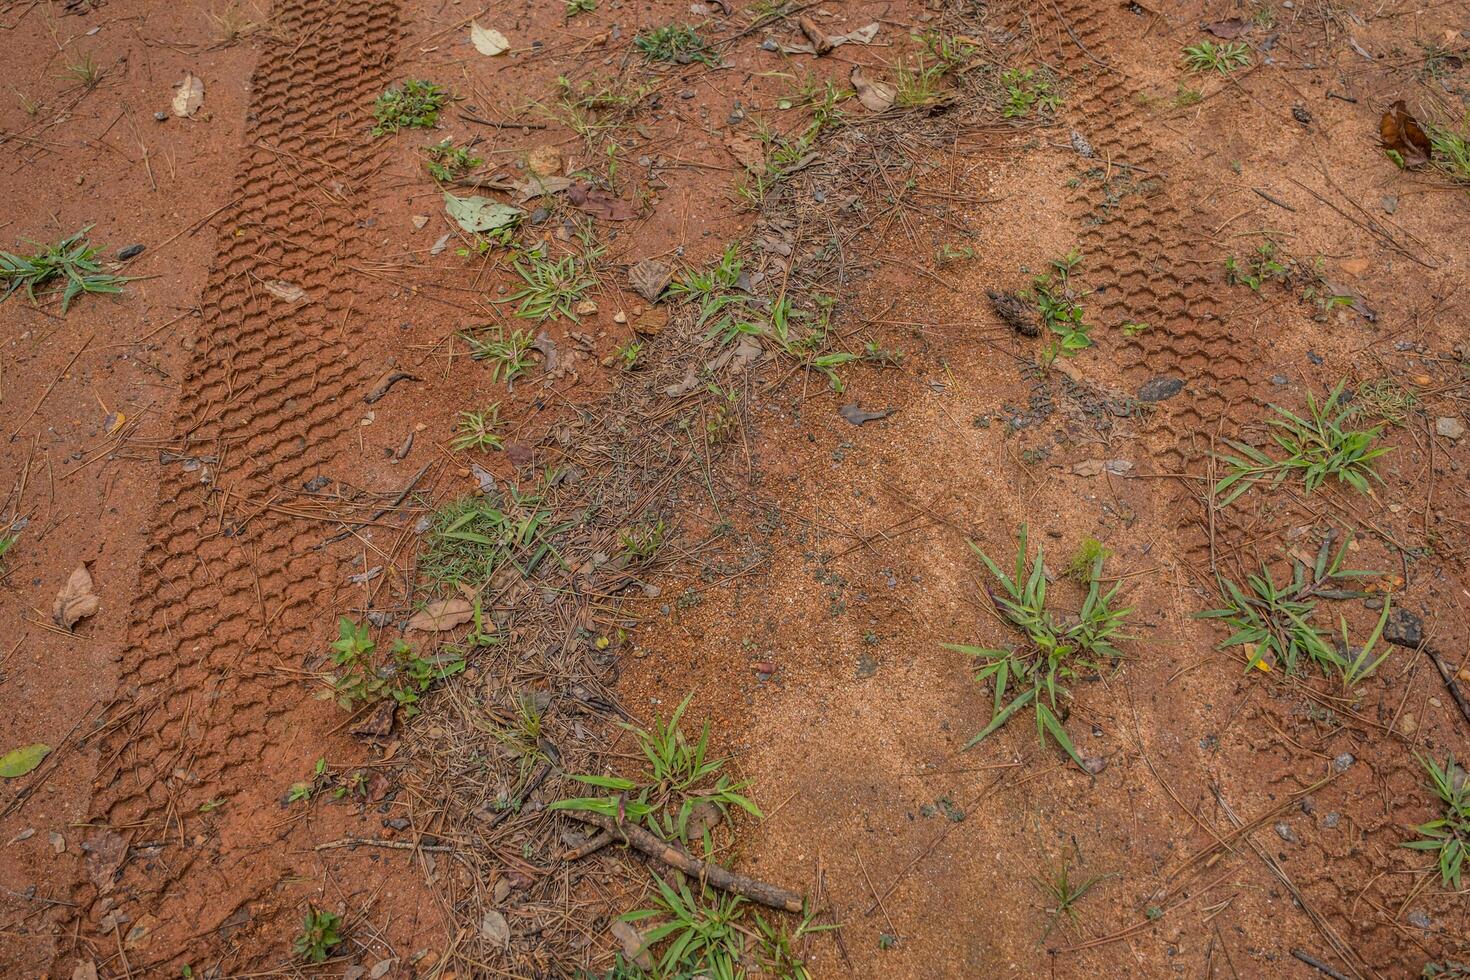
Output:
x,y
1134,231
227,588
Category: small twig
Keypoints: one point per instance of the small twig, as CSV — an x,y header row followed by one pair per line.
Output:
x,y
592,845
397,845
676,857
1317,964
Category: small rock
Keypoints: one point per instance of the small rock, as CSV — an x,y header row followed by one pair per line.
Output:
x,y
161,116
620,317
130,251
1450,427
1408,724
1420,919
1094,764
1279,380
1404,629
1332,820
1301,115
1284,831
1080,144
585,307
1160,389
1390,204
1342,762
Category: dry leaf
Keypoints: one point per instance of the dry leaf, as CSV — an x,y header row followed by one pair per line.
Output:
x,y
535,186
75,601
1228,29
105,854
876,96
649,277
190,95
544,161
749,153
1402,134
651,322
599,203
84,970
442,614
634,947
494,928
858,415
488,41
287,292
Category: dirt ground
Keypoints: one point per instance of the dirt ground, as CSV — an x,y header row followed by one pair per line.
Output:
x,y
264,436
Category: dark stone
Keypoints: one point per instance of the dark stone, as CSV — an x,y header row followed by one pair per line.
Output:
x,y
1160,389
130,251
1301,115
1404,629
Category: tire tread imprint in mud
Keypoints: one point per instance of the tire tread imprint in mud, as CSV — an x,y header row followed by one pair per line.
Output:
x,y
226,588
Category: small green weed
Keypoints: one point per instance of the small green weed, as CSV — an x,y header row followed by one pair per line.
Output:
x,y
1133,328
507,352
681,777
918,84
479,430
705,936
1087,555
628,355
642,543
575,7
1386,400
1318,447
69,267
1029,90
469,539
1064,893
1449,836
1260,267
321,931
358,681
414,106
715,290
86,72
1057,301
1451,151
552,288
1223,58
1054,651
448,162
679,44
1275,620
7,541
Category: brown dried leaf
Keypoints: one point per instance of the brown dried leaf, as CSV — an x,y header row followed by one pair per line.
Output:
x,y
1402,134
1230,28
285,291
105,854
600,204
76,600
876,96
651,322
442,614
749,153
634,947
189,95
649,277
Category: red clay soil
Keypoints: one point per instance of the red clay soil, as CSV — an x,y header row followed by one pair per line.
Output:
x,y
209,447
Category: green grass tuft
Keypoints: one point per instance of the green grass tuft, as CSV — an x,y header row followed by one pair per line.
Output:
x,y
414,106
69,267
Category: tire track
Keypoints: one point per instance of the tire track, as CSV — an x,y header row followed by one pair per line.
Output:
x,y
227,591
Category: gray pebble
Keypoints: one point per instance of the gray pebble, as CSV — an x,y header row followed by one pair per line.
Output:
x,y
1342,762
1160,388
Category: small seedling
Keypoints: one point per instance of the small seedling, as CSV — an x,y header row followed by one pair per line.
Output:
x,y
715,290
448,162
1261,266
1054,650
918,84
320,932
575,7
86,72
1386,400
705,936
507,352
1449,836
358,681
678,44
778,947
1133,328
1057,301
7,541
1275,620
1450,151
1064,894
643,543
321,777
68,267
681,777
479,430
1317,447
627,355
414,106
1029,90
1223,58
1088,554
551,289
